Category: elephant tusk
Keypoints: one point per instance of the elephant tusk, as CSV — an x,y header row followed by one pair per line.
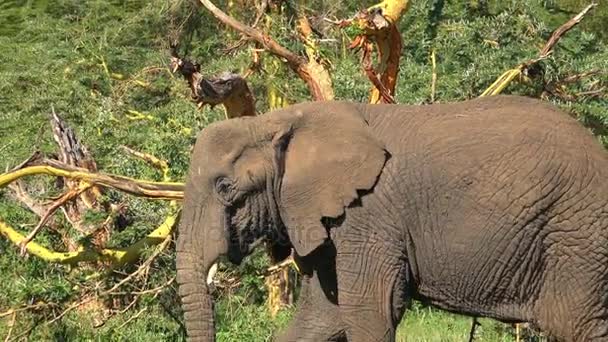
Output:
x,y
211,274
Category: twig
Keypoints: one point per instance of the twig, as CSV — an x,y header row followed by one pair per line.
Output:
x,y
299,64
19,194
243,40
154,161
132,318
161,190
592,93
505,79
133,302
154,290
25,308
577,77
557,34
26,331
35,156
11,325
71,194
434,77
269,44
139,270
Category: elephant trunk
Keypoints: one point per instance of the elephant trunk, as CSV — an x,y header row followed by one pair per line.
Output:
x,y
195,257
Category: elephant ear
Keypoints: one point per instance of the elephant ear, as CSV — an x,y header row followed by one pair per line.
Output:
x,y
324,158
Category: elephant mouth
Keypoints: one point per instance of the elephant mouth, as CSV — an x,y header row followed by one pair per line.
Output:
x,y
240,248
234,257
243,237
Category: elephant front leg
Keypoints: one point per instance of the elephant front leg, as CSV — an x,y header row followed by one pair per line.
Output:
x,y
371,313
374,293
366,325
316,317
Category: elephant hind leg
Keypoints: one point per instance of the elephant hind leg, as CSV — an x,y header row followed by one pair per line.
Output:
x,y
573,306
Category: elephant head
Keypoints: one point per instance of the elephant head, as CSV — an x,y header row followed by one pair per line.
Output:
x,y
273,178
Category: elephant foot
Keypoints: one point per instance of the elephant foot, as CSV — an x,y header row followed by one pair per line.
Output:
x,y
310,334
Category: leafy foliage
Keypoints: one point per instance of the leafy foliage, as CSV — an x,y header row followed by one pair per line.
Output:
x,y
103,65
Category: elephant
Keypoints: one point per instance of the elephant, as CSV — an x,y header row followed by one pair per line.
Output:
x,y
489,207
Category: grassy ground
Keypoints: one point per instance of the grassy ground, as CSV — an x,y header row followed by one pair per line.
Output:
x,y
99,62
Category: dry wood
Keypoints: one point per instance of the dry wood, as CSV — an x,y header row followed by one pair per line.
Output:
x,y
11,325
73,152
557,34
158,190
378,25
434,76
229,89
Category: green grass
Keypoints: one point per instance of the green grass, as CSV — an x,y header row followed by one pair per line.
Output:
x,y
432,325
52,54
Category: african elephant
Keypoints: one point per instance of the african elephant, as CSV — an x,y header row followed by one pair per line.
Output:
x,y
493,207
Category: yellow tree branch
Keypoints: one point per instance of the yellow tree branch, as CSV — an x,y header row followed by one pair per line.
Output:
x,y
158,163
508,76
159,190
117,256
392,9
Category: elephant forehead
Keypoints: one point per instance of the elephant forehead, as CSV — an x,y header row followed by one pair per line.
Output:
x,y
220,141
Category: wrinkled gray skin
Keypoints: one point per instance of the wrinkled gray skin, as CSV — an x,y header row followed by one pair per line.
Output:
x,y
492,207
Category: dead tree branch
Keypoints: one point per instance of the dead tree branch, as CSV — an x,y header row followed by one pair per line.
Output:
x,y
70,195
508,76
143,267
34,166
377,26
229,89
158,190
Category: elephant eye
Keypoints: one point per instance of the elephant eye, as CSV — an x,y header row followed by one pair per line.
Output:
x,y
224,188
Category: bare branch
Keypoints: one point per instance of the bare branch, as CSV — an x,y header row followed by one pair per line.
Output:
x,y
162,165
505,79
139,270
557,34
159,190
71,194
26,308
306,69
132,318
19,193
267,42
11,325
434,77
